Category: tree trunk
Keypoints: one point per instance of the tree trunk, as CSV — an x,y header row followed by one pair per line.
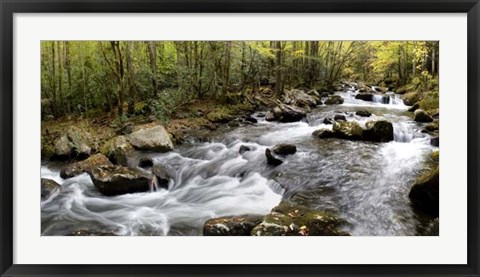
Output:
x,y
152,54
278,69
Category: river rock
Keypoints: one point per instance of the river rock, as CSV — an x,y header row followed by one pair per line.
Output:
x,y
323,133
435,141
348,130
291,114
433,228
364,97
48,187
77,168
378,131
271,159
73,145
243,149
145,162
288,219
113,180
415,107
299,98
363,113
422,116
339,117
231,225
269,116
118,150
151,139
424,193
431,127
328,120
334,100
162,173
284,149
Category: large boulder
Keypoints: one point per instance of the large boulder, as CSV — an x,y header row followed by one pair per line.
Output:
x,y
48,187
348,130
284,149
77,168
378,131
231,225
118,150
415,107
334,100
271,159
291,114
74,144
113,180
422,116
151,139
288,219
424,193
299,98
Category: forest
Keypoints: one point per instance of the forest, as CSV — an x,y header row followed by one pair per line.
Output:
x,y
132,77
240,138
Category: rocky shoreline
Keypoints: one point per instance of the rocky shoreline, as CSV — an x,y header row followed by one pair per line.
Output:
x,y
109,164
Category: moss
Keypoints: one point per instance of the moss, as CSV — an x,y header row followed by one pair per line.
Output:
x,y
412,97
430,102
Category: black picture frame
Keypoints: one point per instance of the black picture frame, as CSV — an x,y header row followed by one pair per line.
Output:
x,y
10,7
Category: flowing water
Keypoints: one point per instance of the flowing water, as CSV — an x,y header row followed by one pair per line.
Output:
x,y
365,183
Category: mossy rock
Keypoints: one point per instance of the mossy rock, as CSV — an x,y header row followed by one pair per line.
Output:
x,y
77,168
48,187
412,97
348,130
334,100
118,150
231,225
288,219
219,117
424,194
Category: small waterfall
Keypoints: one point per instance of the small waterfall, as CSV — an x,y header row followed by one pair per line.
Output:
x,y
379,99
154,184
395,100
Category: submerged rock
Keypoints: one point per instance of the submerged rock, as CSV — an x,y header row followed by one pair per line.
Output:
x,y
288,219
339,117
243,149
231,225
415,107
89,164
424,194
48,187
379,131
113,180
271,159
435,141
162,173
151,139
118,150
334,100
323,133
363,113
284,149
422,116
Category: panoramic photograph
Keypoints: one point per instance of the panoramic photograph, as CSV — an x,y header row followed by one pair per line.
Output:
x,y
239,138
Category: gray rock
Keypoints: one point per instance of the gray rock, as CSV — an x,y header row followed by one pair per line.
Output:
x,y
284,149
271,159
89,164
48,187
151,139
231,225
113,180
422,116
118,150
